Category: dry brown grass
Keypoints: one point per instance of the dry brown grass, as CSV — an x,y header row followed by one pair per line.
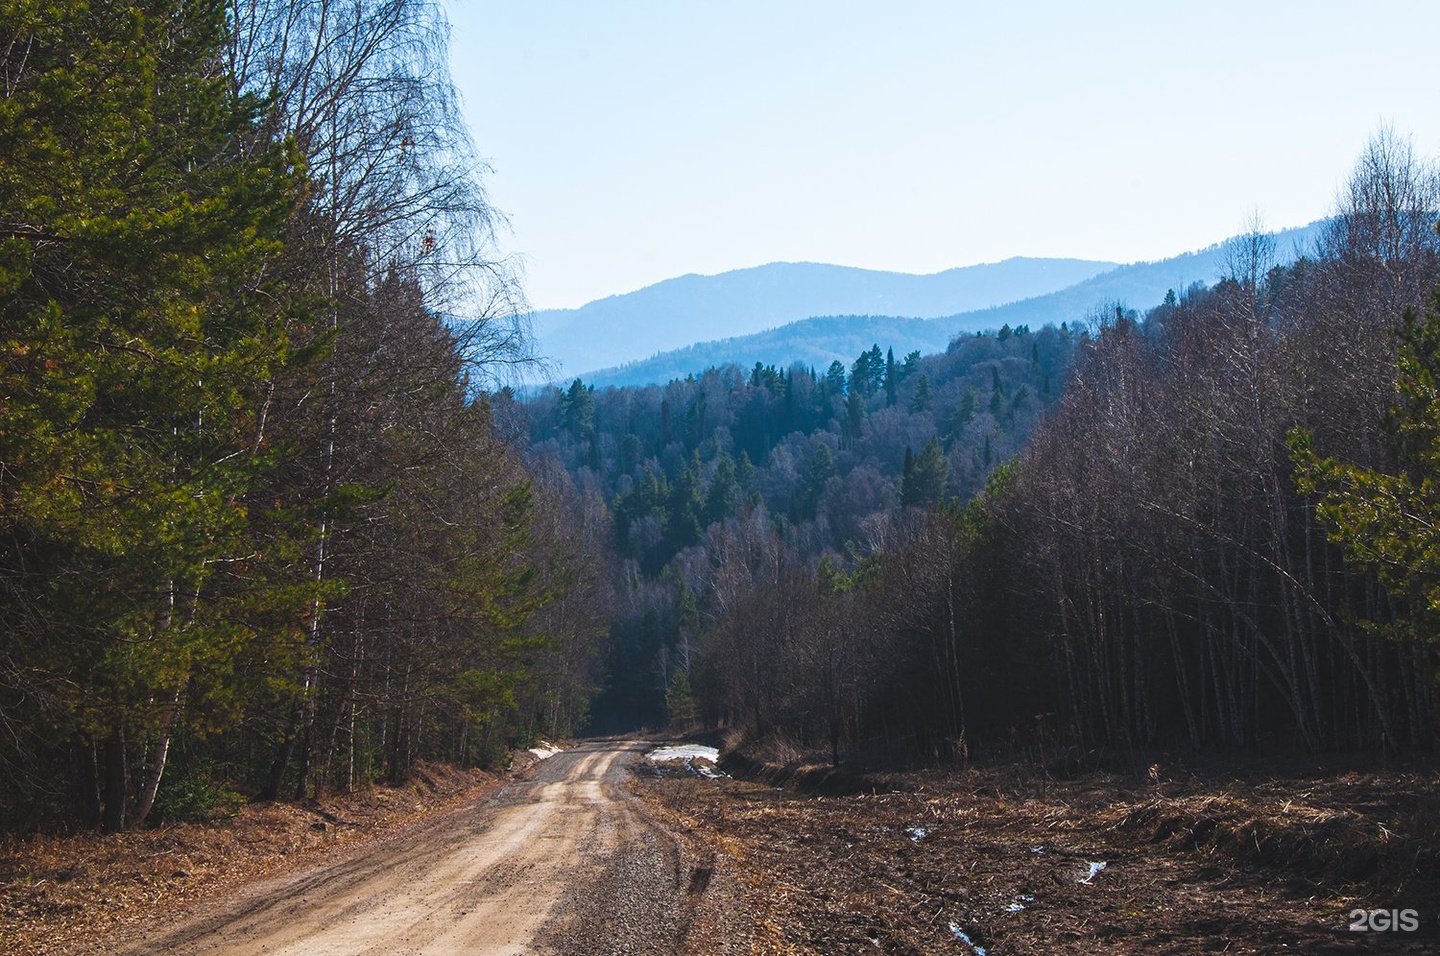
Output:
x,y
1205,863
1375,834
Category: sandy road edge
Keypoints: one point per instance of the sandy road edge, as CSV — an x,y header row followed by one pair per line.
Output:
x,y
153,881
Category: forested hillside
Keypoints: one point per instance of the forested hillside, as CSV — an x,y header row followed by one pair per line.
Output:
x,y
257,536
816,341
1206,526
820,462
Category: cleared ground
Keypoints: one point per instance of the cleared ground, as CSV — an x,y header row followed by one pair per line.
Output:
x,y
1011,861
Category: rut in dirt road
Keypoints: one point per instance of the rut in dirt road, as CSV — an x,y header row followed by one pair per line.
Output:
x,y
563,862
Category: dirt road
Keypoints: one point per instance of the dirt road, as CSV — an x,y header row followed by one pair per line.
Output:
x,y
565,861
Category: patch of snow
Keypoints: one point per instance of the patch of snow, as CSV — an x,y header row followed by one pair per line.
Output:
x,y
544,750
961,935
1095,869
1019,905
696,759
684,752
917,833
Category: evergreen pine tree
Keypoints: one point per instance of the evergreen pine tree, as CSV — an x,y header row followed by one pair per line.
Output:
x,y
143,219
926,476
890,383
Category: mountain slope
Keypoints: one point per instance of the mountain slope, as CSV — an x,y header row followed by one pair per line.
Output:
x,y
815,342
689,309
1140,285
818,341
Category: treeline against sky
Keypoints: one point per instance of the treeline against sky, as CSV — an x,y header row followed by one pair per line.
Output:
x,y
258,533
1201,527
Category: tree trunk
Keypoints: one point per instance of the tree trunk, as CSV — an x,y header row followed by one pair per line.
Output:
x,y
112,819
286,750
87,782
157,763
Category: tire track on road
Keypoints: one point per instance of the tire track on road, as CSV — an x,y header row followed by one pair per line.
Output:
x,y
483,879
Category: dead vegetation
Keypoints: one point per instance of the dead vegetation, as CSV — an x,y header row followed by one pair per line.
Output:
x,y
1017,862
1387,841
63,894
1251,861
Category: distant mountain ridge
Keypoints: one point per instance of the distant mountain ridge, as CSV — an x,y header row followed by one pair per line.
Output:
x,y
820,340
1140,285
815,342
682,311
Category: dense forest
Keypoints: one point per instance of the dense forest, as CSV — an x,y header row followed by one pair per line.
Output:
x,y
826,463
270,525
1207,526
259,534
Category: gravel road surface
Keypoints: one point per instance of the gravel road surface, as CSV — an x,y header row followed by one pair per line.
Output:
x,y
563,862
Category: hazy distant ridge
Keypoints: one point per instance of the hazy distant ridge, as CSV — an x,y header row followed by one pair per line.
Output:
x,y
1141,285
819,341
815,342
692,308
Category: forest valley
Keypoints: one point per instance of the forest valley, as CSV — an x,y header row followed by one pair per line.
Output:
x,y
1208,526
272,526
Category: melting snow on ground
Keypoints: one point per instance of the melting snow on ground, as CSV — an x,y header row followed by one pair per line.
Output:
x,y
697,758
1095,869
917,833
684,752
964,937
1019,905
543,750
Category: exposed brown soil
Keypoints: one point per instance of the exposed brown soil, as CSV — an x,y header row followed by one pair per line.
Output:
x,y
1267,864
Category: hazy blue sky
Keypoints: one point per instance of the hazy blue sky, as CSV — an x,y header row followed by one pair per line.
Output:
x,y
635,141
